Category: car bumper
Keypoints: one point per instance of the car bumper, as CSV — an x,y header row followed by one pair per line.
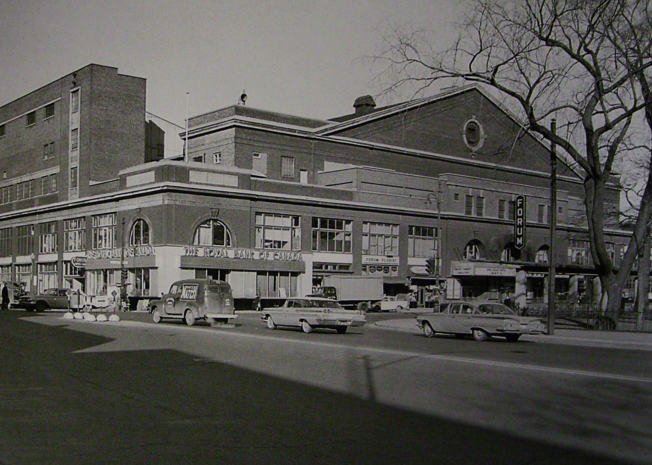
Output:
x,y
334,322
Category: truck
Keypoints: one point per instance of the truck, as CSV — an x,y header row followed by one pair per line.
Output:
x,y
358,292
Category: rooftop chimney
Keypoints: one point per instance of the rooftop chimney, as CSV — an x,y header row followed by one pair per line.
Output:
x,y
364,105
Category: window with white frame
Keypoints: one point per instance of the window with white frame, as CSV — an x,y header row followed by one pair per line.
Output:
x,y
274,231
139,234
472,251
579,252
212,233
217,158
74,101
48,277
277,284
25,239
104,231
422,241
47,237
74,139
331,235
74,233
542,255
380,239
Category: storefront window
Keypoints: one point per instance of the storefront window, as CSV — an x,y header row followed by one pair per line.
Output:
x,y
139,233
422,241
5,242
140,281
578,252
277,284
24,275
47,276
281,232
104,232
212,233
331,235
379,239
74,231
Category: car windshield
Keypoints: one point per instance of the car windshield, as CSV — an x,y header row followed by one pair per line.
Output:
x,y
495,309
310,303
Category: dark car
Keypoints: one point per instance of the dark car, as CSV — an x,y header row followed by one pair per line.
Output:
x,y
479,319
55,298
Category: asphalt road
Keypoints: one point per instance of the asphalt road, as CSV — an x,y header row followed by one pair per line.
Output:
x,y
76,392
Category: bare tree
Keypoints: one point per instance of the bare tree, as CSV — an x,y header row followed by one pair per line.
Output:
x,y
585,63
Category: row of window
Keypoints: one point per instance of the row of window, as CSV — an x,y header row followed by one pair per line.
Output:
x,y
273,231
30,118
475,206
29,189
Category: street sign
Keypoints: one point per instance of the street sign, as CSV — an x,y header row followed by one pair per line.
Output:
x,y
78,261
519,222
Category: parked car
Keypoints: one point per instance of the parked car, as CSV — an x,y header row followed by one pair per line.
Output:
x,y
195,299
479,319
391,304
309,313
50,298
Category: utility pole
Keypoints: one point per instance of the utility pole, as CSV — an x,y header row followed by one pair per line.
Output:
x,y
553,224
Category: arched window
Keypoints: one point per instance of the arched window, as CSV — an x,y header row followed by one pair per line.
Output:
x,y
510,253
212,233
473,250
542,255
139,233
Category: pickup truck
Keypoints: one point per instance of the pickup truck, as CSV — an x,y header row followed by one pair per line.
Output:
x,y
391,304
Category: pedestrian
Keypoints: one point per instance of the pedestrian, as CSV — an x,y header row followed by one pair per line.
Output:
x,y
5,296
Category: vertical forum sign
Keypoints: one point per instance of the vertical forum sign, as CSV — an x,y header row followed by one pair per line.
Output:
x,y
519,222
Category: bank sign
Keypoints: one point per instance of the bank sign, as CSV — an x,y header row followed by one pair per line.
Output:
x,y
519,222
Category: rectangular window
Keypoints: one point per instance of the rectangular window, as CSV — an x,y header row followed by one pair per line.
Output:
x,y
468,206
47,276
7,194
74,101
506,209
542,217
73,178
579,252
5,243
379,239
479,206
47,233
74,234
104,231
74,139
281,232
422,241
287,167
198,159
49,110
217,158
31,118
331,235
277,284
2,130
24,240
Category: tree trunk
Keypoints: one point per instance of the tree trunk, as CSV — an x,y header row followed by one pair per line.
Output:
x,y
643,287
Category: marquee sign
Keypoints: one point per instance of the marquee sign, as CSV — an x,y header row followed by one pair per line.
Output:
x,y
519,222
242,254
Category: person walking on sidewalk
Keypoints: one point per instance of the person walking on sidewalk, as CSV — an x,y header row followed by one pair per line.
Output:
x,y
5,296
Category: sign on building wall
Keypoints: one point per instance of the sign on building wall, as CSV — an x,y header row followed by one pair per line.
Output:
x,y
519,222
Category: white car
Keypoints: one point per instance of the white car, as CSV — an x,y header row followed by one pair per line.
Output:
x,y
391,304
309,313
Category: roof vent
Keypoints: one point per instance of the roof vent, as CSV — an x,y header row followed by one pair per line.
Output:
x,y
364,105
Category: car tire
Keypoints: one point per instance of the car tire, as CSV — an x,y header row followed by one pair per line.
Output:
x,y
305,326
512,337
363,307
156,315
399,308
270,323
376,309
189,317
479,335
41,306
341,329
427,330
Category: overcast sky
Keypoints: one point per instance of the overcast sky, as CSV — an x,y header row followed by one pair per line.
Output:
x,y
298,57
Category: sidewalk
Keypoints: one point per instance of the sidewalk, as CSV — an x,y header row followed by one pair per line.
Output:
x,y
585,338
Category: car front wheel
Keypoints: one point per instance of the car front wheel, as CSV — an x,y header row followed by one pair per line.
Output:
x,y
427,330
190,318
270,323
41,306
156,315
480,335
305,326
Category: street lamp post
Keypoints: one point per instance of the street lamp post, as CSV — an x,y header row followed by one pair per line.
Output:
x,y
553,222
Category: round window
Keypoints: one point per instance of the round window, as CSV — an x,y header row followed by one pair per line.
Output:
x,y
473,134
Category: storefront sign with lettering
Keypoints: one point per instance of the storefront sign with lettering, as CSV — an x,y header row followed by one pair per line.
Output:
x,y
138,251
243,254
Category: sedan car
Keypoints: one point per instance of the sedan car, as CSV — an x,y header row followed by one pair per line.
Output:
x,y
50,298
309,313
391,304
479,319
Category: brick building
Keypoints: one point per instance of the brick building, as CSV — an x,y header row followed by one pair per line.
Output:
x,y
272,203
